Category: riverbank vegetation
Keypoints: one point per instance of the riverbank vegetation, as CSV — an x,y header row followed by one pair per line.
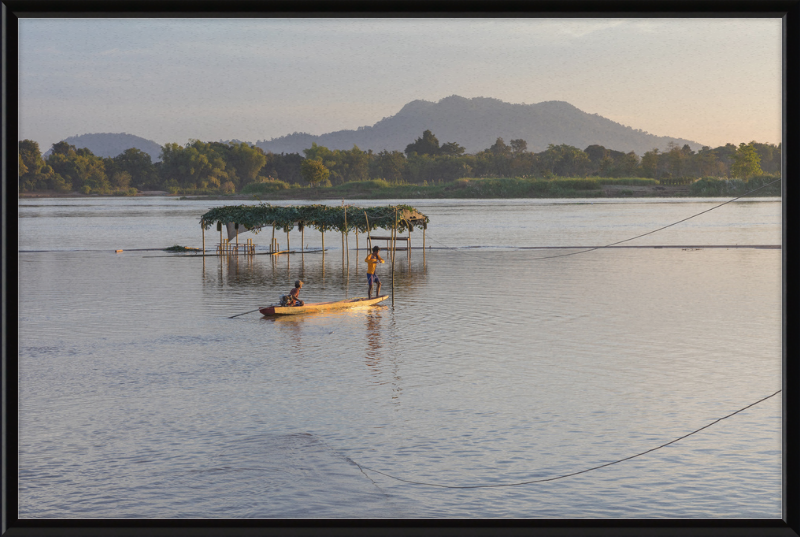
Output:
x,y
427,168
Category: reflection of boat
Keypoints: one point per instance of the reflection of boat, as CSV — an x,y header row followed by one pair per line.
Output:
x,y
321,306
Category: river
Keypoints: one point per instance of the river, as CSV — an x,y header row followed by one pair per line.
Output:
x,y
490,365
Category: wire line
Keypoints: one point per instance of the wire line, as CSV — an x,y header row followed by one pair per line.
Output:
x,y
653,231
362,467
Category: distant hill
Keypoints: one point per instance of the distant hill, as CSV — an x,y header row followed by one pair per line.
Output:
x,y
107,144
477,123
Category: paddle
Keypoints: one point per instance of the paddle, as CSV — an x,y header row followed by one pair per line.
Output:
x,y
245,313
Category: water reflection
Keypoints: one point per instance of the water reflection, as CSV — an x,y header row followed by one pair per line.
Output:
x,y
373,332
290,326
277,275
380,358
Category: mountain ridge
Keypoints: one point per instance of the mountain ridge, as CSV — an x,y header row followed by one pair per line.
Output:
x,y
474,123
477,122
111,144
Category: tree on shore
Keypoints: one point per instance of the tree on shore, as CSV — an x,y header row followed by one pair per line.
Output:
x,y
451,149
315,172
650,163
231,166
138,165
746,161
427,144
388,165
78,167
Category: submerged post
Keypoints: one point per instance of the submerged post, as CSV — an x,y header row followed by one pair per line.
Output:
x,y
203,228
408,243
394,244
347,245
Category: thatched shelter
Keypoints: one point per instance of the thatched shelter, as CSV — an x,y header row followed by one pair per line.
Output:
x,y
240,218
320,217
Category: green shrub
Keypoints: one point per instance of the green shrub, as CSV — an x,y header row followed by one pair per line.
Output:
x,y
577,184
761,180
626,181
264,187
363,186
713,186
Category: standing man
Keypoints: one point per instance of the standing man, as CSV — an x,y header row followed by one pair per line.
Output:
x,y
372,261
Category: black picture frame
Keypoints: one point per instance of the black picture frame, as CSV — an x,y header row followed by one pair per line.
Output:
x,y
13,10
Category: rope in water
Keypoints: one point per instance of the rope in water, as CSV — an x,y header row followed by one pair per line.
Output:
x,y
643,234
564,476
362,467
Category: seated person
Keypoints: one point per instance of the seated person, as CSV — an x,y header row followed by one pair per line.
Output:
x,y
294,295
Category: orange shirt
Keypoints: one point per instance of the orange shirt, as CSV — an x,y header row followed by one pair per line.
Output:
x,y
372,262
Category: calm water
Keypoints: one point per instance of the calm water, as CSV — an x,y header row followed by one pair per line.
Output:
x,y
140,398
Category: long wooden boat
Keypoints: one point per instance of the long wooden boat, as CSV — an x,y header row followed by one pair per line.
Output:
x,y
321,306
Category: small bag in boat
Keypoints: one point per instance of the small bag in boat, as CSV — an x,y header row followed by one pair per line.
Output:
x,y
287,300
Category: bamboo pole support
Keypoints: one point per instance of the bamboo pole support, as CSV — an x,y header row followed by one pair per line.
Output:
x,y
369,237
408,245
272,244
423,246
394,245
287,240
203,229
346,241
303,239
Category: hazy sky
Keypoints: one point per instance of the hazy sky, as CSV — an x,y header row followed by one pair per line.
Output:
x,y
713,81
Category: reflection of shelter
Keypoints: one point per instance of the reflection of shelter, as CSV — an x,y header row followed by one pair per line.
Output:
x,y
241,218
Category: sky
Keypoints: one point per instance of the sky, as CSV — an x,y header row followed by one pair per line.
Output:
x,y
713,81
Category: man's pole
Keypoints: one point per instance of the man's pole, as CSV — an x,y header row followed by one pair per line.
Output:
x,y
346,238
394,245
369,238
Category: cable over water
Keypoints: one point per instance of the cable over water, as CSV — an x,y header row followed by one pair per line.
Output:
x,y
647,233
554,478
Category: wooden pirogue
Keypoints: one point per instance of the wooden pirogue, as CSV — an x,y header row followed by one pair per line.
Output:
x,y
321,306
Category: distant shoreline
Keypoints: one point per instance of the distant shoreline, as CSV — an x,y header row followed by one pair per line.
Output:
x,y
607,191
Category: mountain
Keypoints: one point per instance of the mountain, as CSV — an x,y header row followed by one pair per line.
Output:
x,y
107,144
477,123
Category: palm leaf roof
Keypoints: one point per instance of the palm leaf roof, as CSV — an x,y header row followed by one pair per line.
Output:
x,y
320,217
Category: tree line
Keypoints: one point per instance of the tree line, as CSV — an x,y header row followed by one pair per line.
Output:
x,y
235,166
